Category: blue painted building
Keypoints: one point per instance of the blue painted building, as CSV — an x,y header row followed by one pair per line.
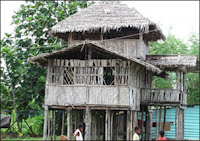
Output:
x,y
191,123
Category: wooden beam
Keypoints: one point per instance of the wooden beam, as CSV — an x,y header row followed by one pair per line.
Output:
x,y
135,120
131,125
45,122
160,118
177,123
165,111
70,38
181,124
101,36
142,117
54,124
140,35
128,124
107,125
157,125
87,123
69,124
49,124
149,122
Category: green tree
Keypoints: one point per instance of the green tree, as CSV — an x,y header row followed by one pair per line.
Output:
x,y
23,83
193,89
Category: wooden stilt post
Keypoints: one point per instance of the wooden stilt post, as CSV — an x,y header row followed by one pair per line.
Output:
x,y
146,123
54,124
160,118
111,125
131,125
94,131
157,125
150,122
177,123
107,125
45,122
128,124
135,120
63,122
142,119
49,125
164,118
69,123
88,123
181,124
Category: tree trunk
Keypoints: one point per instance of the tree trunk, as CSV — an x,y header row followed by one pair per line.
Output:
x,y
15,108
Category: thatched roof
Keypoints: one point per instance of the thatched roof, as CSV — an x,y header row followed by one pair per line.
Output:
x,y
172,61
42,59
106,16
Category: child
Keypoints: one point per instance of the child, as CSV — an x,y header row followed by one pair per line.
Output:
x,y
136,134
78,133
162,138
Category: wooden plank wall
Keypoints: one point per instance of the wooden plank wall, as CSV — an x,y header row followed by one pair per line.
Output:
x,y
92,95
128,47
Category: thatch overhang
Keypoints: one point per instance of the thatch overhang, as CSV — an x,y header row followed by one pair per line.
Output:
x,y
187,63
42,59
105,16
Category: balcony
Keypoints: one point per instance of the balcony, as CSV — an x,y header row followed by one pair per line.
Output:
x,y
167,97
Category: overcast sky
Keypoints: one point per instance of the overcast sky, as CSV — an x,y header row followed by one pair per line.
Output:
x,y
182,16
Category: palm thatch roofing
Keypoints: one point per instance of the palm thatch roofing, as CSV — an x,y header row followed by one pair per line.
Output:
x,y
106,16
172,61
42,59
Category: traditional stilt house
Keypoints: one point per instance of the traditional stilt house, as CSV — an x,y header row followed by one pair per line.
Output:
x,y
104,77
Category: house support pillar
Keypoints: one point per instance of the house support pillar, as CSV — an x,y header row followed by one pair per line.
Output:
x,y
181,124
45,122
108,125
149,123
176,123
87,123
129,125
69,124
135,120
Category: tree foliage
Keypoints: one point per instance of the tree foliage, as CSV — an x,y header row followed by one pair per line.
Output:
x,y
32,23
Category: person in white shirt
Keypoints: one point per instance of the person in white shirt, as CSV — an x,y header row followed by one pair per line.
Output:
x,y
78,133
137,133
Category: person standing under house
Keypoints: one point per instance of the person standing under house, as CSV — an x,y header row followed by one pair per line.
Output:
x,y
78,133
162,138
136,134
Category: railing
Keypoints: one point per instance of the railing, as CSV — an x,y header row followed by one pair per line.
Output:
x,y
163,96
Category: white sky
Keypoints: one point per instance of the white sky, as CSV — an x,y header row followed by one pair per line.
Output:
x,y
182,16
